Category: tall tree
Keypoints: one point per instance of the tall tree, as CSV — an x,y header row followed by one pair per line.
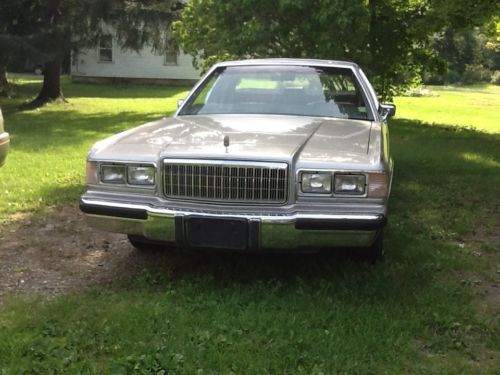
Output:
x,y
55,28
389,38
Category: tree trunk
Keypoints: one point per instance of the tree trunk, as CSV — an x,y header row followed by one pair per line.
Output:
x,y
4,84
373,32
51,89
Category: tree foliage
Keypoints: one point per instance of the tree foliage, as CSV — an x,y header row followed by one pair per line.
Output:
x,y
471,55
48,30
389,38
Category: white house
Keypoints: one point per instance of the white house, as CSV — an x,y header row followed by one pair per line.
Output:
x,y
108,62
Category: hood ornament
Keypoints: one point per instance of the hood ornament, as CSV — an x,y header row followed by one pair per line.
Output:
x,y
226,142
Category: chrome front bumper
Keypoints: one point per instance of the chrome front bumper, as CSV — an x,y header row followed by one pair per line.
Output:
x,y
4,147
288,231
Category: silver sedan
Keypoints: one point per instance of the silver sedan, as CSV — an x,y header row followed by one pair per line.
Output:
x,y
272,154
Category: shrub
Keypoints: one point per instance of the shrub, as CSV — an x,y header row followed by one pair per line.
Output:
x,y
433,79
476,73
495,77
452,76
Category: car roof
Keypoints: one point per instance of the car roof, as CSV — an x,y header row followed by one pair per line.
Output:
x,y
289,62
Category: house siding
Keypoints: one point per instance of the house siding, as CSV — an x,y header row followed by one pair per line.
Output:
x,y
129,65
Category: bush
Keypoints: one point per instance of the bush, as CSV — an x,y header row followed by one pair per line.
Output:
x,y
452,76
476,73
495,77
449,77
433,79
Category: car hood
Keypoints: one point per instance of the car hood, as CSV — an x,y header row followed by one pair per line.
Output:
x,y
262,137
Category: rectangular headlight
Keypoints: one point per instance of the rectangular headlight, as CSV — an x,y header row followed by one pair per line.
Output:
x,y
113,174
350,184
316,183
141,175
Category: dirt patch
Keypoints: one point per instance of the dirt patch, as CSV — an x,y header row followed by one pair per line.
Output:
x,y
492,295
58,253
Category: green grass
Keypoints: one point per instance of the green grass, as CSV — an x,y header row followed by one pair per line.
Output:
x,y
422,311
475,107
49,145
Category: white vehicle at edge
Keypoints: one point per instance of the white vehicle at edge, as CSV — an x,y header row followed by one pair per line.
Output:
x,y
4,142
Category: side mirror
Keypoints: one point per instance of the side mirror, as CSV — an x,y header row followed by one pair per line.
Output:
x,y
387,110
180,102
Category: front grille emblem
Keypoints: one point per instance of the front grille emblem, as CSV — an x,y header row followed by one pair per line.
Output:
x,y
226,142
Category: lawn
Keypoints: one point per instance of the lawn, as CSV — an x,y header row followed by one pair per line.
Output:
x,y
49,145
430,308
475,107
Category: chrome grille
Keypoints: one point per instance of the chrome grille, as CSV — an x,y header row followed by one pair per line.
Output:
x,y
235,181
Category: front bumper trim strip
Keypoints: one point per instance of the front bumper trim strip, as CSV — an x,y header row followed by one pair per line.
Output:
x,y
302,220
114,210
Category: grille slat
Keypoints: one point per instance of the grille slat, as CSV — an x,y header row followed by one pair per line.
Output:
x,y
226,182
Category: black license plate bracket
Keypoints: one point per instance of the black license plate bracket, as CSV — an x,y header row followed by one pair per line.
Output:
x,y
222,233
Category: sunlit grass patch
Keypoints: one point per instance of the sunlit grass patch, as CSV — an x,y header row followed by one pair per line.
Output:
x,y
480,159
475,107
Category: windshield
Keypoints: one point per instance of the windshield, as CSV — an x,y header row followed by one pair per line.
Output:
x,y
280,90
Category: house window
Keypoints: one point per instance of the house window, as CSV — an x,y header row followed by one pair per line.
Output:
x,y
171,56
105,48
